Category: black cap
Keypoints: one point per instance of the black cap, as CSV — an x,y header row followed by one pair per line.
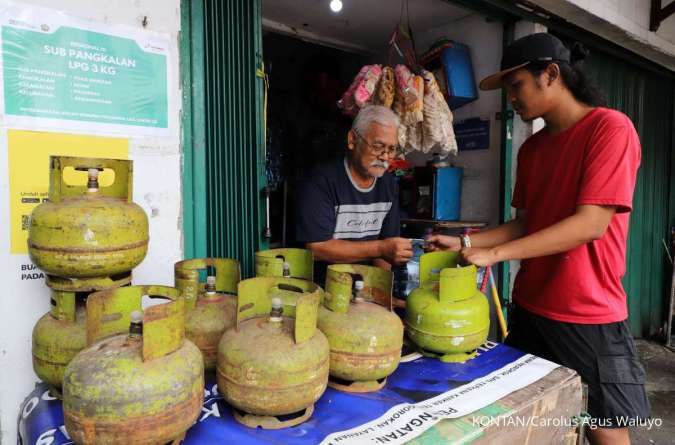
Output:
x,y
539,47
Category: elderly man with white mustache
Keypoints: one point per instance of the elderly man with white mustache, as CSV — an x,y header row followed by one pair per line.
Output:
x,y
348,208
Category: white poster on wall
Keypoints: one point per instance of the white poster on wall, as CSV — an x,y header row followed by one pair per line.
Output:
x,y
74,86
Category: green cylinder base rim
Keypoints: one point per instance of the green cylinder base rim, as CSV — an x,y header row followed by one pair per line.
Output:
x,y
272,422
88,284
452,357
357,386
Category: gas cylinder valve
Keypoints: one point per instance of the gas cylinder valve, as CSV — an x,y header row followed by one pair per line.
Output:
x,y
358,291
92,184
210,285
277,310
136,325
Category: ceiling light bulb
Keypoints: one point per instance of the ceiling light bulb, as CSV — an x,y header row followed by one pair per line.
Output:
x,y
336,5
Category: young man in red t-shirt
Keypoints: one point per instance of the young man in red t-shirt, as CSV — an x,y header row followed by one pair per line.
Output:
x,y
573,195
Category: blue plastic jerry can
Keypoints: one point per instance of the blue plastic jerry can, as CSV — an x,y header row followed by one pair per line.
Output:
x,y
447,193
461,83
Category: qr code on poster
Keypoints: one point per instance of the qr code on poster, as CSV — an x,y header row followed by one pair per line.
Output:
x,y
25,222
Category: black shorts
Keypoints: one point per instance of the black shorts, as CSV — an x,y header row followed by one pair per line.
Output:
x,y
604,355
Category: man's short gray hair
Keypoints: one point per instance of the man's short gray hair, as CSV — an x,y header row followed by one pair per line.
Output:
x,y
374,113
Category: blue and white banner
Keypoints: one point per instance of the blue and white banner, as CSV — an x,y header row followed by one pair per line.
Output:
x,y
419,394
406,421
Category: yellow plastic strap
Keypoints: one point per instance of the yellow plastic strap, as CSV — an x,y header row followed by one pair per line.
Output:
x,y
260,72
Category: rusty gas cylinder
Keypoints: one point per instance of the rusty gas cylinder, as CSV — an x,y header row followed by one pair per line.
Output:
x,y
59,335
139,381
272,365
365,336
88,231
211,306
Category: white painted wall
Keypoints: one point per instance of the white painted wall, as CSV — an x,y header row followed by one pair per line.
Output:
x,y
480,188
521,131
624,22
481,183
157,188
480,194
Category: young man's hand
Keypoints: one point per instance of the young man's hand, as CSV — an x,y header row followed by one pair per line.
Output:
x,y
396,250
479,256
443,242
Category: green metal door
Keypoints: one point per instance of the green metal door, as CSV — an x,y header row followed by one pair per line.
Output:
x,y
647,98
223,129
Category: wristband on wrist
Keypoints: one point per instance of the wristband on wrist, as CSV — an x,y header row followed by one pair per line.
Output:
x,y
465,241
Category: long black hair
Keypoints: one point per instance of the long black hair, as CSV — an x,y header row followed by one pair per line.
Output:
x,y
574,77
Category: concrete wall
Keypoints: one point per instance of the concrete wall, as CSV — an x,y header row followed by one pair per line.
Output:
x,y
624,22
480,193
157,188
481,183
521,131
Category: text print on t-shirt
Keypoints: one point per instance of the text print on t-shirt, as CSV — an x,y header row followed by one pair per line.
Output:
x,y
360,220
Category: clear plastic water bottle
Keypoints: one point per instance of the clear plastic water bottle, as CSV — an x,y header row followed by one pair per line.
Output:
x,y
413,269
479,276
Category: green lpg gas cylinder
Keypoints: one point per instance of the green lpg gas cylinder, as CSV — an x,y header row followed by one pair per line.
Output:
x,y
447,315
59,335
286,262
211,307
139,381
365,336
87,230
272,365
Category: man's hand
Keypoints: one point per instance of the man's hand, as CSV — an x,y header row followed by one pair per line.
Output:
x,y
443,242
396,250
480,256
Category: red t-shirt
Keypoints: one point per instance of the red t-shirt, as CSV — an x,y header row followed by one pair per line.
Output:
x,y
593,162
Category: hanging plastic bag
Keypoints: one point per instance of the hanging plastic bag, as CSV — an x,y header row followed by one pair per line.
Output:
x,y
405,84
384,93
366,88
414,110
347,103
398,106
437,132
360,90
414,134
